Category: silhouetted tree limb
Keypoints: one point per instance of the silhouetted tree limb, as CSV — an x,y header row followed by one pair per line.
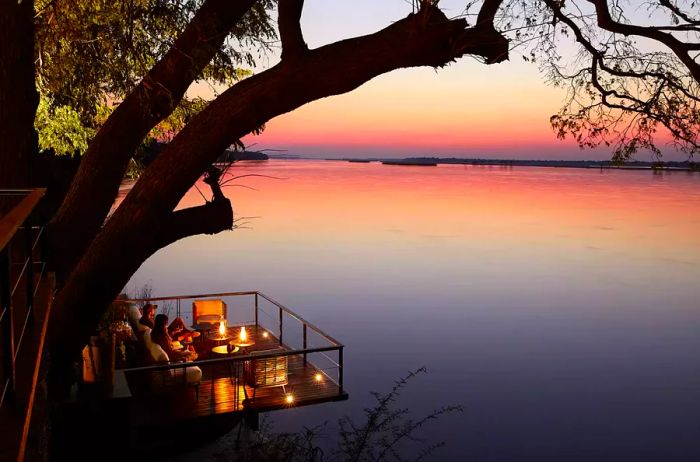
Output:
x,y
155,97
633,81
291,36
680,13
209,218
426,38
680,48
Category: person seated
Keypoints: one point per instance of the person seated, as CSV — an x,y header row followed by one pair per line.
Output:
x,y
160,351
159,335
179,331
148,315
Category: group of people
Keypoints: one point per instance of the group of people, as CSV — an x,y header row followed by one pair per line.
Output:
x,y
164,334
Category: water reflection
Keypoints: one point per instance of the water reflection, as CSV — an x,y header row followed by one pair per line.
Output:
x,y
559,306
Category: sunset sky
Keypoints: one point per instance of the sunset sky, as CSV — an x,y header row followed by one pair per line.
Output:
x,y
465,110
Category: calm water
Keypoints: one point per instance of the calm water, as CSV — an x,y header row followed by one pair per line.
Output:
x,y
560,307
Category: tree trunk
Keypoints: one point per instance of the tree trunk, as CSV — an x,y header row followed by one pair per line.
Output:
x,y
102,168
18,95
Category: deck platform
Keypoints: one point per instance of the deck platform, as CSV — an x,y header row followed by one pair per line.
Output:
x,y
223,388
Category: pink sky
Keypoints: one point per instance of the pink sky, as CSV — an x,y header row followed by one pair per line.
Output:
x,y
465,110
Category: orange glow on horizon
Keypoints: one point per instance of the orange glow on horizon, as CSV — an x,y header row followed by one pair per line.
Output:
x,y
450,201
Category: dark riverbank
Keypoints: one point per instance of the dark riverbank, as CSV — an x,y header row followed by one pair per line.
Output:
x,y
631,165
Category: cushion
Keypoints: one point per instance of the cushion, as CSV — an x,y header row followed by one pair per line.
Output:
x,y
134,314
156,353
193,374
209,319
202,308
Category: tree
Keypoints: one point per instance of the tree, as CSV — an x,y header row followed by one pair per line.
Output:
x,y
91,54
18,96
633,75
96,258
95,255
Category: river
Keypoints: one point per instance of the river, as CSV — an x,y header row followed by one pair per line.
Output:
x,y
559,307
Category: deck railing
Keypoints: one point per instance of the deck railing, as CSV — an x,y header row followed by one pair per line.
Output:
x,y
293,333
19,244
23,316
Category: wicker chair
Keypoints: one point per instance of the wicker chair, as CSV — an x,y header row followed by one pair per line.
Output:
x,y
266,372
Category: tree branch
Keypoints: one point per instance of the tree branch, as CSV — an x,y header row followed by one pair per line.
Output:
x,y
289,24
487,13
678,12
427,38
680,49
210,218
104,163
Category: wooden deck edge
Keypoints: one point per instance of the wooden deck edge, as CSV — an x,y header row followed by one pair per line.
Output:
x,y
306,402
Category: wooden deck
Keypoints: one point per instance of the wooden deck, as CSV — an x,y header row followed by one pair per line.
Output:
x,y
223,389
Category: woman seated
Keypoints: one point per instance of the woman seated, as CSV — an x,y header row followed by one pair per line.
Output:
x,y
160,335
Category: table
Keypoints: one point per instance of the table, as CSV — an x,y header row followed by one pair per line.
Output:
x,y
223,350
215,336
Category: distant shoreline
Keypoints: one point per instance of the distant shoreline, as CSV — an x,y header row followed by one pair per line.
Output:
x,y
588,164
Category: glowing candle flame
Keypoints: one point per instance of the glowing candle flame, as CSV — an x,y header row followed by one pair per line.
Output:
x,y
243,335
222,328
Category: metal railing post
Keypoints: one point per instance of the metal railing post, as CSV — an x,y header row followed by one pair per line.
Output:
x,y
8,329
304,344
257,308
30,266
340,370
281,320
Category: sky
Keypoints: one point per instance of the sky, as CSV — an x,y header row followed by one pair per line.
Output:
x,y
467,109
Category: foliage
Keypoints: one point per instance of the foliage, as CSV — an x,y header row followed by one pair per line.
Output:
x,y
59,128
182,114
630,70
387,434
92,53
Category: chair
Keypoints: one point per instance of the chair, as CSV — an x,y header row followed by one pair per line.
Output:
x,y
266,372
208,313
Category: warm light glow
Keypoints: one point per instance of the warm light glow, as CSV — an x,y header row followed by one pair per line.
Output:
x,y
243,336
290,399
222,328
265,334
318,377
